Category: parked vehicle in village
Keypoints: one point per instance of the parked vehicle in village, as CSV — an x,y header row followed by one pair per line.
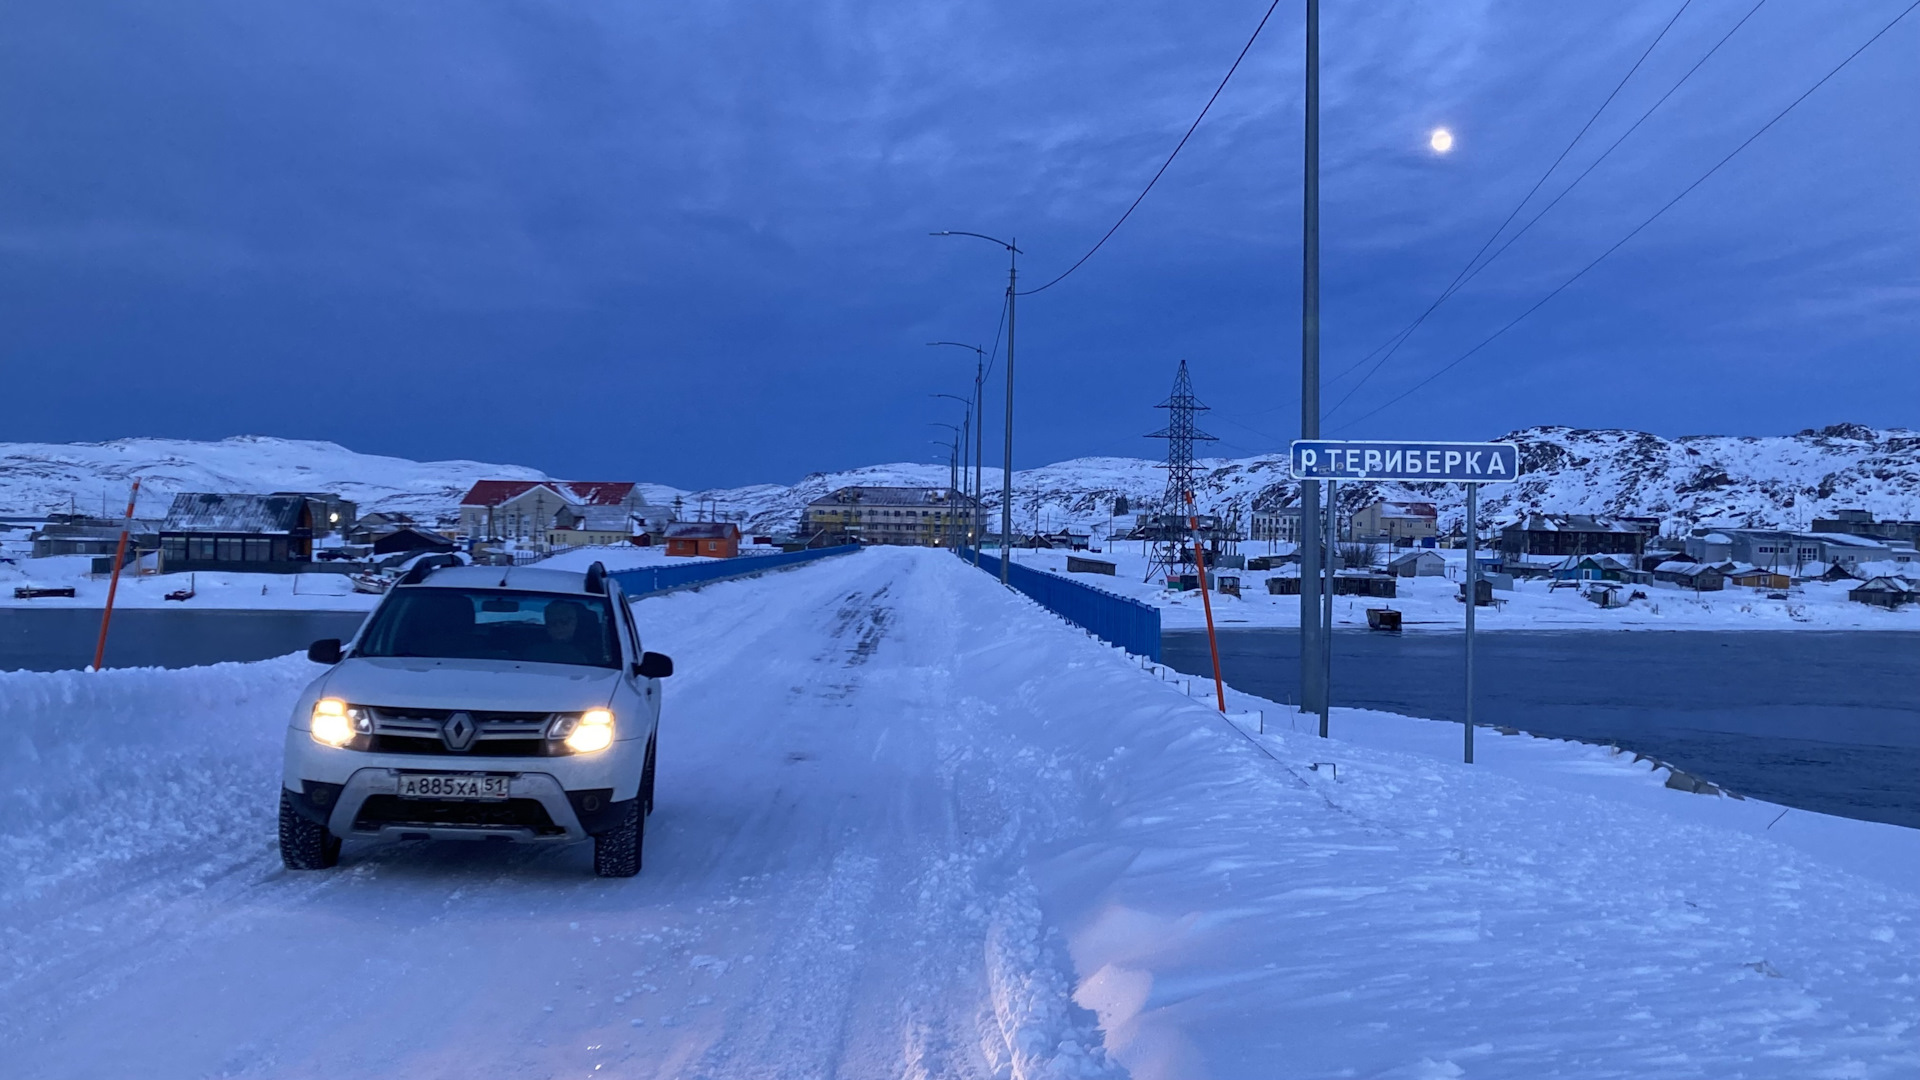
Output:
x,y
479,703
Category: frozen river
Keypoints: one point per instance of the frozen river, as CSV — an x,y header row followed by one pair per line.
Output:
x,y
1825,721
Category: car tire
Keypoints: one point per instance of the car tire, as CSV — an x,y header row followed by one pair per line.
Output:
x,y
646,782
616,851
304,844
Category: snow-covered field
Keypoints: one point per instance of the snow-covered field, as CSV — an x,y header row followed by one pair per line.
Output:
x,y
911,825
226,591
1432,603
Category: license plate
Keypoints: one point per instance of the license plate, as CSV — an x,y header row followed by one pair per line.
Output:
x,y
475,786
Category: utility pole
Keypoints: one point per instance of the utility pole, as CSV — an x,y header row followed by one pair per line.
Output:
x,y
1006,464
1313,690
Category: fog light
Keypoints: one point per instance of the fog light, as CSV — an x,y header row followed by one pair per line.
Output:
x,y
593,732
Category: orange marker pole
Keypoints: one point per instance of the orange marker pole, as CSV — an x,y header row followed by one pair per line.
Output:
x,y
1206,603
113,586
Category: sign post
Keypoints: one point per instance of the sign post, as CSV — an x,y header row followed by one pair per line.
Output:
x,y
1471,464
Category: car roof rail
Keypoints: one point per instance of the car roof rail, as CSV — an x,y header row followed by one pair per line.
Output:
x,y
597,579
427,566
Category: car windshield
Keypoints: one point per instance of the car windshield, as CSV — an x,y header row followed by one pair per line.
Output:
x,y
475,624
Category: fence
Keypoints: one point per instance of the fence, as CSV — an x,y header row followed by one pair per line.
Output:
x,y
1117,620
652,580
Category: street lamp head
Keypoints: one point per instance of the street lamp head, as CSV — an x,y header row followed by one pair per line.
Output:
x,y
983,236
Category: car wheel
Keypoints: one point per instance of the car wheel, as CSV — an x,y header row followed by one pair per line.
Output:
x,y
616,852
646,782
304,844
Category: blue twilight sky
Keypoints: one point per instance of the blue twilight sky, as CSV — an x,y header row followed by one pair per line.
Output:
x,y
688,242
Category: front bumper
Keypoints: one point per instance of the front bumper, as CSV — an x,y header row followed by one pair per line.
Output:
x,y
537,809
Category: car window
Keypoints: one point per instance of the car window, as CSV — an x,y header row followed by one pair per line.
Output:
x,y
479,624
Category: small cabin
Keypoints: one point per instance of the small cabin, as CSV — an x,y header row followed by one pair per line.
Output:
x,y
705,539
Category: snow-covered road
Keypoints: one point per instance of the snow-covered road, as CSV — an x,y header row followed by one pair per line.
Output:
x,y
909,825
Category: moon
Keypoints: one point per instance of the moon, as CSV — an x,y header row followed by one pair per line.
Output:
x,y
1441,140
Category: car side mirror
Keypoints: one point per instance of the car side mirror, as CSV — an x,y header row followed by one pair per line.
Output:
x,y
654,665
325,651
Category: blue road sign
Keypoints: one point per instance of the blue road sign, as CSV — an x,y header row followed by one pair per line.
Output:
x,y
1425,462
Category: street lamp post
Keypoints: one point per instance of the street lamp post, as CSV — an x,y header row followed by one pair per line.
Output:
x,y
1006,464
980,427
953,467
966,441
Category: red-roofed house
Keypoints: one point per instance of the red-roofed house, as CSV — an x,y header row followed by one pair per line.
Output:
x,y
525,509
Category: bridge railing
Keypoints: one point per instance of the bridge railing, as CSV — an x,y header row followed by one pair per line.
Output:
x,y
653,580
1115,619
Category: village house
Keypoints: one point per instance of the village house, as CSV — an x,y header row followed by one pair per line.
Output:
x,y
1418,564
594,526
1398,523
1781,549
1885,591
80,534
527,510
1758,577
1698,576
1861,523
331,513
1275,526
412,541
1599,568
1571,534
919,517
270,534
708,539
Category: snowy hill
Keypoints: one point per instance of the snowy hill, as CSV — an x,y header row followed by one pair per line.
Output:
x,y
1772,480
37,478
1732,480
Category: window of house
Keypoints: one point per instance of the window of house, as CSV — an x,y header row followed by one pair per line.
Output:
x,y
259,549
227,549
200,548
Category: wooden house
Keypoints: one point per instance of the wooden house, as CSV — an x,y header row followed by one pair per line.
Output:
x,y
707,539
1759,577
254,533
1418,564
1700,577
1885,591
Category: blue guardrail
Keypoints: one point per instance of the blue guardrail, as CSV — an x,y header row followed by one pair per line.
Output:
x,y
1115,619
652,580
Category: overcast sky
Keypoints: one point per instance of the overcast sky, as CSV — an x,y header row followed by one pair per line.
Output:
x,y
688,243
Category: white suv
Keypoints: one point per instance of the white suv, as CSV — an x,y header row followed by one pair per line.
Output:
x,y
479,703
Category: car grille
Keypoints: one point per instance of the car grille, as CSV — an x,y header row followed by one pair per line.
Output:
x,y
383,810
499,734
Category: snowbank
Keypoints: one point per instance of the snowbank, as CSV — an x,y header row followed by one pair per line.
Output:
x,y
102,770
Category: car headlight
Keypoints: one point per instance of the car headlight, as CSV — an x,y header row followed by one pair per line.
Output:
x,y
586,733
336,723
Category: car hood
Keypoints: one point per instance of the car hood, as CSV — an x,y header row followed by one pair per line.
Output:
x,y
418,682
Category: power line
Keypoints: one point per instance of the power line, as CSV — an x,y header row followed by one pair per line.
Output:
x,y
1636,230
1392,345
1531,222
1564,192
1163,165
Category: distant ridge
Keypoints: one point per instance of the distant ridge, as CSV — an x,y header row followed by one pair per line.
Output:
x,y
1760,480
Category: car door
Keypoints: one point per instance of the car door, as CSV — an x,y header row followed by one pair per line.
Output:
x,y
645,692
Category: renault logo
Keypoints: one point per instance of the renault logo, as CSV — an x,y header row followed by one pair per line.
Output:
x,y
458,731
